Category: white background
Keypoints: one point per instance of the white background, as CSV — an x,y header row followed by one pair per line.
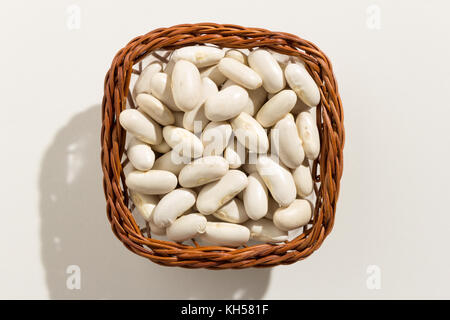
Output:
x,y
393,210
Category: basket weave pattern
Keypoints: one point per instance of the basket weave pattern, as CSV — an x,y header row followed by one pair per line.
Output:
x,y
326,169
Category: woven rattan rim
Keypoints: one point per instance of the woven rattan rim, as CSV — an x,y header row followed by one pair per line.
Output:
x,y
330,162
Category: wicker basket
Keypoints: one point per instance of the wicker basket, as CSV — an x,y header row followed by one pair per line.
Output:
x,y
326,169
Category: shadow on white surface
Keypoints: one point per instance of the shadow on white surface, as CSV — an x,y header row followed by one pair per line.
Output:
x,y
75,231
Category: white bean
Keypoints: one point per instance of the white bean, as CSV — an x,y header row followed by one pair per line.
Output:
x,y
278,180
183,141
229,83
250,133
309,134
173,205
255,197
201,56
240,73
282,59
154,229
234,153
144,203
142,84
140,154
155,109
141,126
151,181
287,143
264,230
186,85
163,147
214,74
187,227
296,215
225,234
276,108
268,69
302,83
303,180
236,55
300,106
233,211
226,104
195,120
216,194
161,88
203,171
209,89
215,137
171,161
256,99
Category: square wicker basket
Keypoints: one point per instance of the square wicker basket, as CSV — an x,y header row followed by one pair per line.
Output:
x,y
326,169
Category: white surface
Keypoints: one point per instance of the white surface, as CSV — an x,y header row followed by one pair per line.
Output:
x,y
393,209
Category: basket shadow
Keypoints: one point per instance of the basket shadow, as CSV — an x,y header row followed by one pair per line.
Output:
x,y
75,232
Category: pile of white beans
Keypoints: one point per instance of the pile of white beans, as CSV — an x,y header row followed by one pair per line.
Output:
x,y
220,145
